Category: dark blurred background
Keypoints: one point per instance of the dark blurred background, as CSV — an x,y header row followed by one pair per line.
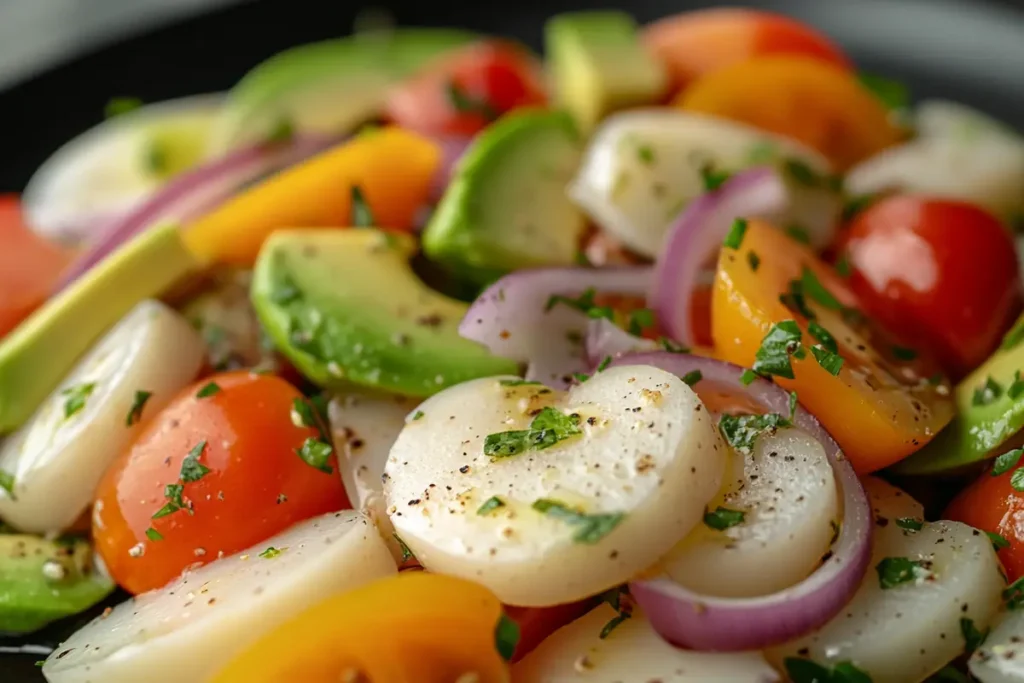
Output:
x,y
61,60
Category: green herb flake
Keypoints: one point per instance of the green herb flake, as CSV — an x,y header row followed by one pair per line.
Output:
x,y
856,205
270,553
362,215
302,414
582,260
895,571
76,397
671,346
973,638
909,523
734,239
418,415
406,553
590,529
1017,479
1007,461
1016,389
998,541
135,412
506,637
802,670
742,431
191,469
118,106
782,341
613,623
464,103
1014,337
282,132
156,158
722,518
490,505
692,377
584,302
747,377
830,362
639,320
7,484
904,353
825,337
208,390
814,290
518,383
753,260
803,174
548,428
316,453
284,292
893,94
793,402
843,268
798,233
987,393
645,153
603,365
154,535
713,179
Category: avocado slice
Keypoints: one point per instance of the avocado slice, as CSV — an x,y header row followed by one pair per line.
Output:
x,y
599,65
327,87
39,352
506,207
980,427
345,308
42,581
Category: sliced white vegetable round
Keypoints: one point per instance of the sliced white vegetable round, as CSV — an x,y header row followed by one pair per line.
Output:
x,y
643,167
189,629
57,458
105,171
549,526
363,428
632,652
952,120
1001,658
910,630
788,505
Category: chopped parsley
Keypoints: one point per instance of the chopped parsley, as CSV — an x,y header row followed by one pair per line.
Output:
x,y
1017,479
909,523
191,469
639,320
418,415
747,377
614,597
1007,461
722,518
283,131
406,553
1016,389
302,414
832,363
692,377
813,289
464,103
590,529
754,260
713,179
742,431
843,268
490,505
998,540
1014,337
117,106
316,453
270,553
154,535
209,390
581,259
803,174
172,492
7,483
857,204
894,571
76,397
284,292
793,402
603,365
904,353
734,239
506,637
987,393
802,670
362,216
671,346
548,428
645,153
518,383
825,337
782,341
584,302
893,94
156,158
973,638
135,412
798,233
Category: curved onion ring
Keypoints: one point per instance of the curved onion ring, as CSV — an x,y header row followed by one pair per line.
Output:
x,y
702,622
604,338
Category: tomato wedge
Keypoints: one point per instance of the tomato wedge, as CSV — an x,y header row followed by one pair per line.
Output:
x,y
991,504
695,43
817,103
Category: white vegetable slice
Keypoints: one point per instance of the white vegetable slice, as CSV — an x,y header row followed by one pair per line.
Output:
x,y
105,171
192,627
952,120
648,458
58,457
787,494
643,167
364,427
907,632
631,653
1001,658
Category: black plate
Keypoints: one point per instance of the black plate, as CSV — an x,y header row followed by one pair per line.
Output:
x,y
971,51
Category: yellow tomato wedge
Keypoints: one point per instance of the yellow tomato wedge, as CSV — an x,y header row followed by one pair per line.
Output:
x,y
393,169
411,628
817,103
882,405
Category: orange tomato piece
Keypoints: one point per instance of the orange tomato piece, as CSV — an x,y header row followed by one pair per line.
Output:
x,y
809,100
29,266
695,43
412,628
256,485
880,408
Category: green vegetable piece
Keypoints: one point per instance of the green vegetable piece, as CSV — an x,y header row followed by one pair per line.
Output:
x,y
741,431
909,524
362,216
895,571
208,390
893,94
737,230
781,342
722,518
75,398
135,412
490,505
506,637
548,428
363,317
42,581
590,528
316,453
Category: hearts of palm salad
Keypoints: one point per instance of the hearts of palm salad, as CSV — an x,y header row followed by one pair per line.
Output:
x,y
416,358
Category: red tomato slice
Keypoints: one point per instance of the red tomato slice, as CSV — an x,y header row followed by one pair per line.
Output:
x,y
464,92
941,273
695,43
993,505
256,484
29,266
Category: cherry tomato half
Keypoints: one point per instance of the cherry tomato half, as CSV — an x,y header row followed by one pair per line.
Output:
x,y
244,481
940,272
993,505
696,43
467,90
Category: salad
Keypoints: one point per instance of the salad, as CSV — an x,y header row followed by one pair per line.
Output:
x,y
413,358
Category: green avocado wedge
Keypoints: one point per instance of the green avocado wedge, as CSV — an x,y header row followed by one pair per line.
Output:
x,y
36,356
599,65
329,87
345,307
42,581
990,411
506,207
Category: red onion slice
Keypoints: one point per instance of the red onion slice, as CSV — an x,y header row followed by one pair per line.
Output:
x,y
194,193
696,237
511,317
702,622
606,339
